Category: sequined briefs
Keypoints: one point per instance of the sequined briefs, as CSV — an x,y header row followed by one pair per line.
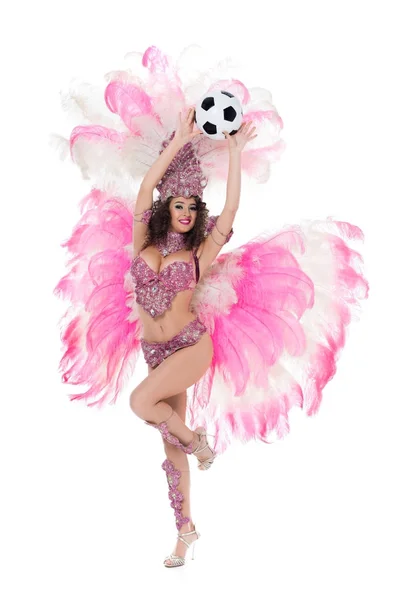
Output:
x,y
156,352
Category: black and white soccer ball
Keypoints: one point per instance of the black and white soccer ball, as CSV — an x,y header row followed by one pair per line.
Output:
x,y
218,111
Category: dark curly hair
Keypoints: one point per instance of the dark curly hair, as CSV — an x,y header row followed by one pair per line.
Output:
x,y
161,220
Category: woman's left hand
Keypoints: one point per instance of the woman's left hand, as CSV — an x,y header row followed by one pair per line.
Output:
x,y
244,134
184,132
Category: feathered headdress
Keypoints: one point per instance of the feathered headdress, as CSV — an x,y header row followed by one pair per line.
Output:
x,y
184,176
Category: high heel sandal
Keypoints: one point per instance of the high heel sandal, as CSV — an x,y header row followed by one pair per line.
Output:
x,y
179,561
193,447
207,462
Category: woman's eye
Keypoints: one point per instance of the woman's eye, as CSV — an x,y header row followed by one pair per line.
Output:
x,y
179,206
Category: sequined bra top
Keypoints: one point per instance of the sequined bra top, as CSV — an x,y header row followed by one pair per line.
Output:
x,y
156,291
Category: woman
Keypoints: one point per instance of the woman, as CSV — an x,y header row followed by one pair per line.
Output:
x,y
272,314
160,399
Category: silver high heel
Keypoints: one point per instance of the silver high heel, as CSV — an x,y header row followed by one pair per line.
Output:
x,y
207,462
179,561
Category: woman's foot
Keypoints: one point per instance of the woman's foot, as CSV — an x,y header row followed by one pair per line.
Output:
x,y
180,547
204,454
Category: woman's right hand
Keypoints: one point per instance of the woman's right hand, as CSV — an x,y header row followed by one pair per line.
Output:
x,y
184,132
237,142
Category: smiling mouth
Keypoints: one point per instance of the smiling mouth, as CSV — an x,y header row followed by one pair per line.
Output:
x,y
184,221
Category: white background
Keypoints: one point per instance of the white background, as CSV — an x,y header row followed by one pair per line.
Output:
x,y
84,509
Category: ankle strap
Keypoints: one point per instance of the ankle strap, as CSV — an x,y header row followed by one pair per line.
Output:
x,y
184,541
181,536
189,532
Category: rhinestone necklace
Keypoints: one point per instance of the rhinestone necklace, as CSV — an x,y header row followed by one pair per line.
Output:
x,y
174,242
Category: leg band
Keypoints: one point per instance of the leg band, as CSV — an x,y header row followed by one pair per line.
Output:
x,y
176,496
172,439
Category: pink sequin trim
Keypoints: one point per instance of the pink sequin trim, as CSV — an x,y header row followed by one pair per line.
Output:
x,y
156,291
183,176
146,217
176,496
172,439
175,241
156,352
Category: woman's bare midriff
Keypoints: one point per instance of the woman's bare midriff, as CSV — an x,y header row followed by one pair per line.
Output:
x,y
170,323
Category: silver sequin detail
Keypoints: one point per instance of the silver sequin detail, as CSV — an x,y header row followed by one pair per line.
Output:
x,y
156,352
174,242
184,176
156,291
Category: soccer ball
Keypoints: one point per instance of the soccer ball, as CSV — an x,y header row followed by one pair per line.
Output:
x,y
216,112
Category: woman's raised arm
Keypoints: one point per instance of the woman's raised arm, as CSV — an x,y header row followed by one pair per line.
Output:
x,y
236,143
184,134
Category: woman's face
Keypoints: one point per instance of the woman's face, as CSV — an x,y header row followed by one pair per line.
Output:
x,y
182,209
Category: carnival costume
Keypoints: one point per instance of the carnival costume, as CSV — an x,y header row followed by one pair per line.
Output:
x,y
276,307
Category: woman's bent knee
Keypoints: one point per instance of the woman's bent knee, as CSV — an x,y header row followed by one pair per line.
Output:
x,y
137,402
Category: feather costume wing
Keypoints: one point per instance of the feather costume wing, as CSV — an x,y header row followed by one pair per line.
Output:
x,y
277,309
100,329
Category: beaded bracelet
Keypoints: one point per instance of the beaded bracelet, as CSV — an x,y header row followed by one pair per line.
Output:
x,y
145,218
224,234
215,240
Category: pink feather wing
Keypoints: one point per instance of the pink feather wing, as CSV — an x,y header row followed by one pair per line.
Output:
x,y
99,331
277,309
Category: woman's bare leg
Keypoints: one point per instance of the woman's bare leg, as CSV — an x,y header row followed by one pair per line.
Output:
x,y
180,461
174,375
